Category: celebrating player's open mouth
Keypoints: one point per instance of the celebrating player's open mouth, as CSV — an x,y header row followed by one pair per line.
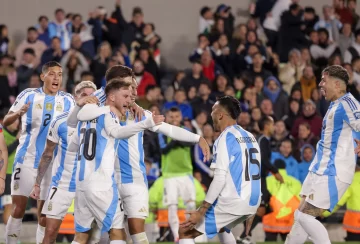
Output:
x,y
55,85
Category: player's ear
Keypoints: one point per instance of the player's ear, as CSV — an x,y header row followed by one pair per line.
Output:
x,y
42,77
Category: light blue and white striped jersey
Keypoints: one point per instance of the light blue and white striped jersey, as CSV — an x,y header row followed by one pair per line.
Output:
x,y
335,151
65,163
130,164
100,94
97,152
237,152
35,122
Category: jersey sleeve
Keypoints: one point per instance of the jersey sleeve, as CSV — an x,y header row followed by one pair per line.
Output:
x,y
100,95
148,114
20,100
221,159
92,111
54,131
351,108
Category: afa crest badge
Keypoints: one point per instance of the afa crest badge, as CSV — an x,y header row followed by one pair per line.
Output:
x,y
48,106
50,206
357,115
16,185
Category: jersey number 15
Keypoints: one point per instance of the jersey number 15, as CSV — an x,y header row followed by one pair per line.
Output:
x,y
250,160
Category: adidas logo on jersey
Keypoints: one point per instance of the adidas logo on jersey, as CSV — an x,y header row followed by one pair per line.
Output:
x,y
38,106
13,235
142,210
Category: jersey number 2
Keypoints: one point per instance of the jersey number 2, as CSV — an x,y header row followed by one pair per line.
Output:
x,y
250,160
86,135
47,119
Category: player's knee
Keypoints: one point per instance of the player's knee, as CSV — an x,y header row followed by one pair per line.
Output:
x,y
117,234
136,225
18,211
52,232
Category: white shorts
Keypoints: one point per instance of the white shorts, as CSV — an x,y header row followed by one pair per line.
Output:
x,y
46,183
215,219
180,186
57,203
134,199
22,180
101,206
323,191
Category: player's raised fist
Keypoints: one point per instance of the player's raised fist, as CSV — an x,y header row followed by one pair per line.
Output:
x,y
35,193
87,100
158,119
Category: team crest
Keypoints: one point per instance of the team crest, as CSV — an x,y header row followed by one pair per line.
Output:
x,y
50,206
48,106
59,107
357,115
123,118
16,185
331,115
131,116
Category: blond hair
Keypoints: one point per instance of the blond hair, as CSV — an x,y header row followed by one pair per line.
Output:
x,y
84,84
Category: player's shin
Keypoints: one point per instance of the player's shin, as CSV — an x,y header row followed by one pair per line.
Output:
x,y
173,220
12,231
40,233
51,230
297,234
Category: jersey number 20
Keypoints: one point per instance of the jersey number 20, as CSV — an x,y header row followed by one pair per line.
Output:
x,y
250,160
86,135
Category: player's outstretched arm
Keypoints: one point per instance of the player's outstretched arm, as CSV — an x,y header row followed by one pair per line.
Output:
x,y
92,111
3,161
45,161
114,129
72,120
12,116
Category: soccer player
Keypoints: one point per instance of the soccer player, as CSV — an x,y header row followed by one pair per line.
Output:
x,y
332,169
234,194
97,195
63,183
36,108
130,170
3,161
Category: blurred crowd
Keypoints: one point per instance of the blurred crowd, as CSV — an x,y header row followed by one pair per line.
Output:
x,y
272,63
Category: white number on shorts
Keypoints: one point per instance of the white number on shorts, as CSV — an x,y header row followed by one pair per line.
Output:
x,y
16,177
251,161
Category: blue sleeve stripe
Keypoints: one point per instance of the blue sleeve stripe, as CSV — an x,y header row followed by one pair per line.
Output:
x,y
162,142
61,116
351,103
24,92
113,115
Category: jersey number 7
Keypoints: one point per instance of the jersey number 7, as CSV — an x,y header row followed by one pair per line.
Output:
x,y
250,160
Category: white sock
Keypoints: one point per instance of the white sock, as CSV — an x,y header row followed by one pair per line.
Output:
x,y
139,238
117,242
186,241
297,234
173,220
314,228
75,242
226,238
40,232
12,230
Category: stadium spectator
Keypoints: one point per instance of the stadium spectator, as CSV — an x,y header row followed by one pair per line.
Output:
x,y
6,45
305,137
152,97
181,103
346,38
306,83
61,28
285,154
142,77
307,153
26,69
279,135
204,101
54,53
32,42
330,23
308,115
278,97
206,20
294,112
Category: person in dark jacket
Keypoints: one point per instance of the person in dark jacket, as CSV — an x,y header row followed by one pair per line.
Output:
x,y
54,53
305,137
278,97
294,111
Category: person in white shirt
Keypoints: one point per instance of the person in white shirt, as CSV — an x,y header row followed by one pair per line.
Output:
x,y
234,194
36,108
63,183
97,196
130,170
332,169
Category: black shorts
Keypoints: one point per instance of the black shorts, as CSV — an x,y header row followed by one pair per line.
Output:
x,y
7,185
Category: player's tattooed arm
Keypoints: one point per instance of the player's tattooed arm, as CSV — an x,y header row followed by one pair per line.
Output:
x,y
310,209
204,207
45,160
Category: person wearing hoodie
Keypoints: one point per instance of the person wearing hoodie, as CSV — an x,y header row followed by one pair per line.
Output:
x,y
279,98
308,115
307,153
285,153
142,77
305,137
307,82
